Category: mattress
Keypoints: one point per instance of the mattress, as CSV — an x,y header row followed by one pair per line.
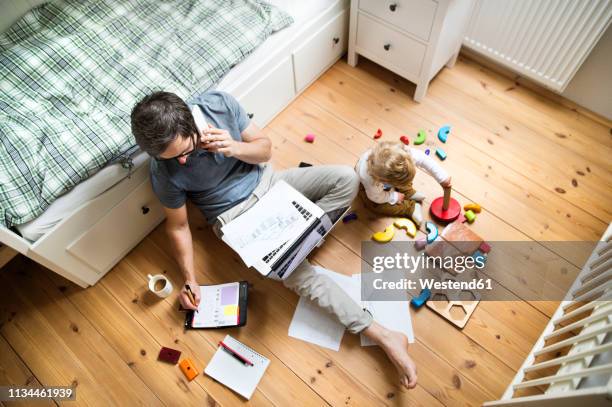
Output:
x,y
103,180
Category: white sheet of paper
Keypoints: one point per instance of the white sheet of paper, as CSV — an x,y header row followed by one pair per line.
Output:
x,y
270,223
394,315
312,324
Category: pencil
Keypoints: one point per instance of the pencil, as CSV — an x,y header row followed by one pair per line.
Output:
x,y
190,295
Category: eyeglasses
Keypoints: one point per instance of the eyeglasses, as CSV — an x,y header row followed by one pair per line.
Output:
x,y
195,143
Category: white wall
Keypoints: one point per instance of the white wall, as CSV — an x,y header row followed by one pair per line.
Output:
x,y
591,87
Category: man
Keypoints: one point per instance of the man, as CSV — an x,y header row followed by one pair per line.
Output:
x,y
223,171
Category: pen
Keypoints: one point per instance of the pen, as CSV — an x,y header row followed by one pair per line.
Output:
x,y
235,354
190,295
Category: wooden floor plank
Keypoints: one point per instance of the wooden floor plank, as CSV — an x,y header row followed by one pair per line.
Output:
x,y
14,372
61,347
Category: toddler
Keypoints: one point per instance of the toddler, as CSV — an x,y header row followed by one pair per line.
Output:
x,y
386,173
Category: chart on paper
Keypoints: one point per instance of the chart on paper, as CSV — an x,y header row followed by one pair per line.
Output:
x,y
218,306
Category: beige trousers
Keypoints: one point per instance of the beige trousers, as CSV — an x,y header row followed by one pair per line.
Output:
x,y
330,187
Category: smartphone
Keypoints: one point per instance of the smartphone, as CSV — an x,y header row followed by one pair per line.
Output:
x,y
198,116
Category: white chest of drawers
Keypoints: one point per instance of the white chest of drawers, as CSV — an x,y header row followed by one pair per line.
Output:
x,y
413,38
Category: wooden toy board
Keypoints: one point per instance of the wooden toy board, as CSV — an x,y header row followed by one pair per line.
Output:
x,y
457,312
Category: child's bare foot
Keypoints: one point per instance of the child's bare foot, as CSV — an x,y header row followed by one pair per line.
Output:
x,y
395,345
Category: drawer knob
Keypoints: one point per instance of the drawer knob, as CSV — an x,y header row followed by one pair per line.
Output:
x,y
392,6
250,115
387,46
145,210
336,40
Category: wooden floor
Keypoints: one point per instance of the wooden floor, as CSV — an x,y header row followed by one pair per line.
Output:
x,y
540,169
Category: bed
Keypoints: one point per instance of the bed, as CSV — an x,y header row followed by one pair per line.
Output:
x,y
66,236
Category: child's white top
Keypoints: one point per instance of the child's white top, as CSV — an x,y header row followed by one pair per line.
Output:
x,y
375,190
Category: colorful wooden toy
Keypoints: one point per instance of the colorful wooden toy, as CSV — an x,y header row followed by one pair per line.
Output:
x,y
443,133
349,217
378,134
474,207
427,151
310,138
420,139
485,247
188,369
445,209
432,232
405,140
407,224
480,255
441,154
386,236
470,216
417,302
420,244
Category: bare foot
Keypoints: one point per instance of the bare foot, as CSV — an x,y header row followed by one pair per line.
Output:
x,y
395,345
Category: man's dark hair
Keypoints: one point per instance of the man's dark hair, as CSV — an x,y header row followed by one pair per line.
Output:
x,y
158,119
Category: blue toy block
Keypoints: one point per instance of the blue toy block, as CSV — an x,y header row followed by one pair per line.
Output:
x,y
349,217
441,154
478,254
432,232
417,302
427,152
443,133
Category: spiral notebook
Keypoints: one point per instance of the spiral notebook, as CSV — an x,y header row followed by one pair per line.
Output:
x,y
234,374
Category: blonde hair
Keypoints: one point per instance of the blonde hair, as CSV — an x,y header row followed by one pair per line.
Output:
x,y
390,163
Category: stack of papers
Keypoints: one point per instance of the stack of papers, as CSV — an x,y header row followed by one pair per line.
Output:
x,y
312,324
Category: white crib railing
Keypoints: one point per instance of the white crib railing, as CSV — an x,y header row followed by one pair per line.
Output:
x,y
571,363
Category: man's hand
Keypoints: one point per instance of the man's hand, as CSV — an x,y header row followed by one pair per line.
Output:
x,y
447,183
220,141
184,298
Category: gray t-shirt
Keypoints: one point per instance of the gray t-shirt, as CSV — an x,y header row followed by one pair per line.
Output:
x,y
213,182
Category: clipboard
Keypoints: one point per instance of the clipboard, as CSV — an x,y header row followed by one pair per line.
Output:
x,y
221,306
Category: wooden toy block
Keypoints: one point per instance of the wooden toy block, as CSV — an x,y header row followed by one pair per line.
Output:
x,y
441,154
432,232
457,311
462,237
421,137
406,224
427,151
169,355
349,217
386,236
405,140
188,369
378,134
417,302
485,247
310,138
474,207
443,133
470,216
420,244
478,254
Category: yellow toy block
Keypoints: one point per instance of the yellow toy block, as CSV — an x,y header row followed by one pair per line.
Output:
x,y
407,224
474,207
386,236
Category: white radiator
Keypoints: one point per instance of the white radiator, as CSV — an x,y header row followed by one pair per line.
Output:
x,y
545,40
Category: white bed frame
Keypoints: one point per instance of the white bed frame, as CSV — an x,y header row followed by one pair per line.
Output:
x,y
86,244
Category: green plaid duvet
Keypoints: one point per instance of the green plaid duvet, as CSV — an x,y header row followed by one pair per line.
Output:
x,y
71,71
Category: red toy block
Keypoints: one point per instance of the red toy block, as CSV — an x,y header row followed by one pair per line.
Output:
x,y
485,247
310,138
405,140
169,355
378,134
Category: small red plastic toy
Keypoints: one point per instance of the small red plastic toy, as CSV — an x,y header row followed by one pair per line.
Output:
x,y
405,140
310,138
378,134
